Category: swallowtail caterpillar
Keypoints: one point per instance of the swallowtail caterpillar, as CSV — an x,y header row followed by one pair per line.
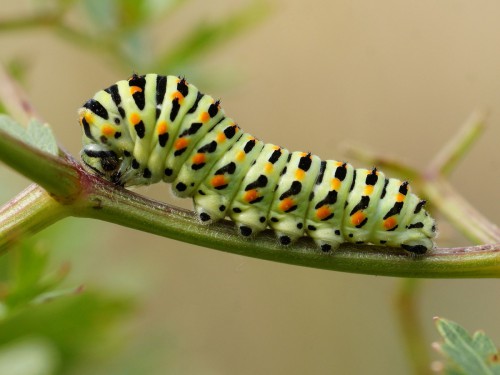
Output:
x,y
151,128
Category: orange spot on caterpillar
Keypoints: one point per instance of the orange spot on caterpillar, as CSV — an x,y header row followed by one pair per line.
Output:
x,y
240,156
88,117
368,189
251,195
336,184
177,95
299,174
221,137
323,212
339,163
134,89
400,197
162,127
199,158
204,117
107,130
390,223
357,218
218,180
181,143
268,168
135,118
286,204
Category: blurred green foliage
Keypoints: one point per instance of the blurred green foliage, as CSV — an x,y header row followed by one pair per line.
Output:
x,y
53,325
123,31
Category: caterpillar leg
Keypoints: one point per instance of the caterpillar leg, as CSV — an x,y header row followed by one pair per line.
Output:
x,y
418,247
327,246
207,210
292,196
286,238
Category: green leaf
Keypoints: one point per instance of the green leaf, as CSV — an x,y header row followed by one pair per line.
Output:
x,y
38,135
466,355
41,136
8,125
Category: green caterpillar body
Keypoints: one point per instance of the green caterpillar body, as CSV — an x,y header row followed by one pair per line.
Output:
x,y
152,127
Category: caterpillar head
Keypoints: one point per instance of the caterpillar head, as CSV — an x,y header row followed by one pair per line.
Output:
x,y
101,160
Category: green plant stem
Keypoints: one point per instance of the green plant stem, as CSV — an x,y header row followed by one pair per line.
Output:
x,y
411,327
460,213
107,46
449,156
28,213
14,99
387,164
104,201
29,22
438,191
443,197
54,21
53,173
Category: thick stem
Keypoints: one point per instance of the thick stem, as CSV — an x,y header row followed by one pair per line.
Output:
x,y
28,213
55,174
106,202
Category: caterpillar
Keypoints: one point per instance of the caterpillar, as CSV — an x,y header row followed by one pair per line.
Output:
x,y
152,127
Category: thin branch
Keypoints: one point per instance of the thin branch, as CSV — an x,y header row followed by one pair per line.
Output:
x,y
29,22
449,156
438,191
411,327
460,213
102,45
388,164
14,99
55,21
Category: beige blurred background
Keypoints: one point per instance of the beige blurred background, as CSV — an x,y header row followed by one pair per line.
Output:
x,y
397,77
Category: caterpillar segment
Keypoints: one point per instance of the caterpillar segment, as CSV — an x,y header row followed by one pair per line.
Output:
x,y
150,128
